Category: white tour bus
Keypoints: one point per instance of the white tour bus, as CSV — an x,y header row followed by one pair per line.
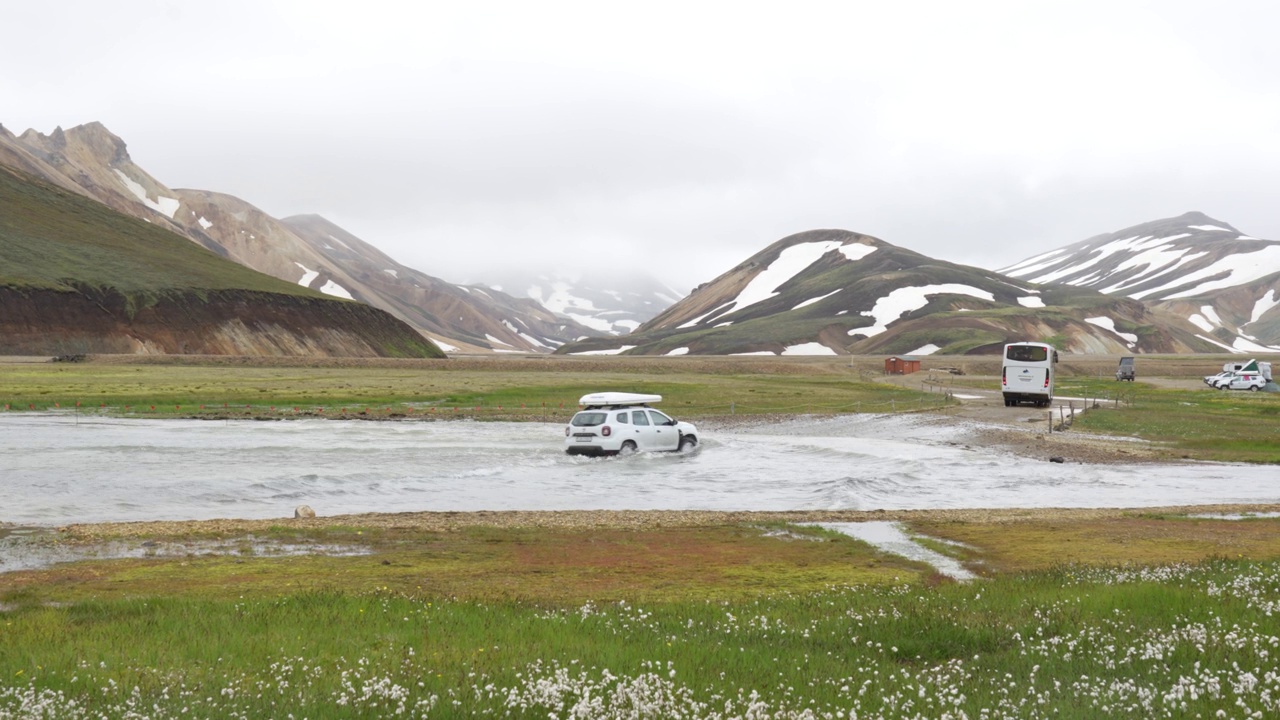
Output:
x,y
1027,373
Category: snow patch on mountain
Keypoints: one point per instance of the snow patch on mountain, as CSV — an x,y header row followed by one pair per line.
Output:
x,y
1201,322
1210,228
535,341
308,275
909,299
1265,303
1158,261
1240,268
1245,345
336,290
809,348
592,322
1033,264
925,350
702,317
558,299
617,308
1031,301
204,223
856,251
678,351
1209,312
166,206
811,301
614,351
791,262
1107,323
444,345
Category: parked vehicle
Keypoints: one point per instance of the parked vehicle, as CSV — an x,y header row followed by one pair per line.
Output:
x,y
1253,366
1243,381
1027,373
613,423
1125,371
1222,377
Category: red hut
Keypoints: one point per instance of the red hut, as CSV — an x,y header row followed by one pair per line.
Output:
x,y
901,365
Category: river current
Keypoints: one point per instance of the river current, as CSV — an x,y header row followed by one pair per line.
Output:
x,y
59,468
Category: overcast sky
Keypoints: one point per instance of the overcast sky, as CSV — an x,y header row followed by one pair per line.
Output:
x,y
467,139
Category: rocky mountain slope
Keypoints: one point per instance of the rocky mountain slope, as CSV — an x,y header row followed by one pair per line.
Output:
x,y
96,163
476,315
1222,281
78,277
834,291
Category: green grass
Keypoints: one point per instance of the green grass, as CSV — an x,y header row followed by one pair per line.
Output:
x,y
427,388
761,620
54,239
1072,643
1203,424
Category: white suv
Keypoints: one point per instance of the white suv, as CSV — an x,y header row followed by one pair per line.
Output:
x,y
1243,381
614,423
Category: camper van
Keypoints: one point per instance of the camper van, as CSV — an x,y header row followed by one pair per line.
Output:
x,y
1253,366
1027,372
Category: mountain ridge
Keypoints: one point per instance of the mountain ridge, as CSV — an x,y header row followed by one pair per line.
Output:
x,y
95,163
79,277
837,292
1191,266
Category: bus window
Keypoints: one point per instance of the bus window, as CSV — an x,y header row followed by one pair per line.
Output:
x,y
1027,353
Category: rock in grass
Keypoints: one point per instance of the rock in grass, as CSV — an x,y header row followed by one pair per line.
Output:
x,y
1057,459
304,511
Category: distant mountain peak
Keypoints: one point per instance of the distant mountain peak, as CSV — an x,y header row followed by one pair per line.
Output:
x,y
1193,266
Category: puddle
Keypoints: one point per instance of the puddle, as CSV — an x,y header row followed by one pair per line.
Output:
x,y
35,549
889,537
1235,516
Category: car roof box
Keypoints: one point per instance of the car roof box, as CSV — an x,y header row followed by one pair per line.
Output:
x,y
617,399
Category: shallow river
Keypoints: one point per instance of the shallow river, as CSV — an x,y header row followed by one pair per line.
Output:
x,y
57,469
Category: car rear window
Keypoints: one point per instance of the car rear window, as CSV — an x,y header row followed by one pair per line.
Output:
x,y
588,419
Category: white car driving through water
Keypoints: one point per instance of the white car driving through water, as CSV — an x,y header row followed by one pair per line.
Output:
x,y
615,423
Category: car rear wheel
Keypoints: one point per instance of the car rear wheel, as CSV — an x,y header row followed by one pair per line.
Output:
x,y
1255,388
628,448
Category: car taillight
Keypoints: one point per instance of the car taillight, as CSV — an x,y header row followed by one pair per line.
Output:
x,y
1046,378
606,431
1004,376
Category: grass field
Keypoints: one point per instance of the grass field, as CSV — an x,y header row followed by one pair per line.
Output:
x,y
736,621
533,388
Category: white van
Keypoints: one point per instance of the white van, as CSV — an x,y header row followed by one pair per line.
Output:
x,y
1027,373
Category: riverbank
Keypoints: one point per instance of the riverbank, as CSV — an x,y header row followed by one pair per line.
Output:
x,y
626,519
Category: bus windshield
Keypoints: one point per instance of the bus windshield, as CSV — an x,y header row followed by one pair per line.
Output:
x,y
1027,353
